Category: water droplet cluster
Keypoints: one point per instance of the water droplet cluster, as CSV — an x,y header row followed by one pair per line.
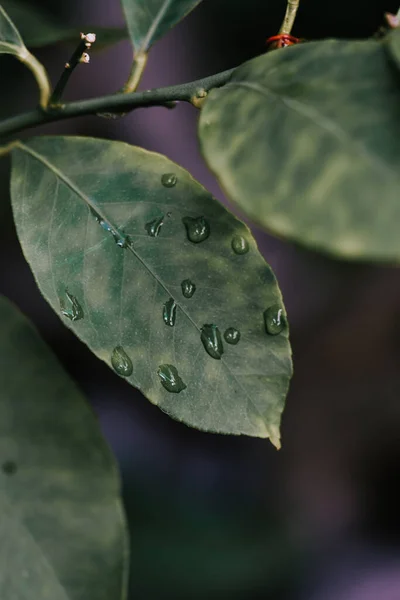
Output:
x,y
197,231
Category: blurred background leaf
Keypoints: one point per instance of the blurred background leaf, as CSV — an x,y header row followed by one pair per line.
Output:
x,y
61,513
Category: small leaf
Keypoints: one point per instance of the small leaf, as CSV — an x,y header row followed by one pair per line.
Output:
x,y
38,28
82,208
62,525
306,141
10,39
149,20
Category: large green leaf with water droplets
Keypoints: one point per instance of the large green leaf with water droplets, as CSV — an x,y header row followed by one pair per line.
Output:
x,y
306,140
73,199
149,20
38,28
63,535
10,39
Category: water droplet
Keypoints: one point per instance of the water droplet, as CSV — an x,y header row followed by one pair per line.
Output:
x,y
121,362
70,307
240,245
9,467
153,227
232,336
170,379
120,238
169,180
197,229
188,288
212,341
274,320
169,312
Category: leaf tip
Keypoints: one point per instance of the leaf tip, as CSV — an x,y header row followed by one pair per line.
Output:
x,y
275,437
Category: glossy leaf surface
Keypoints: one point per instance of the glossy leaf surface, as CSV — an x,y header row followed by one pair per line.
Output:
x,y
149,20
63,535
38,28
82,208
10,39
306,141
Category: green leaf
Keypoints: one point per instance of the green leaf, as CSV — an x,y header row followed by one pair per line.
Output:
x,y
38,28
12,43
306,141
149,20
392,42
73,199
63,534
10,39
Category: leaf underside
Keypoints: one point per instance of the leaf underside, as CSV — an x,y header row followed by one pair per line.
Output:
x,y
63,535
149,20
73,198
306,141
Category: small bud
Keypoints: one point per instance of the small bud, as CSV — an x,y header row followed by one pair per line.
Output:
x,y
67,66
90,37
85,58
201,93
393,21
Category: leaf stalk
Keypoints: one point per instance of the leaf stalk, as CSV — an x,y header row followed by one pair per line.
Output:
x,y
290,17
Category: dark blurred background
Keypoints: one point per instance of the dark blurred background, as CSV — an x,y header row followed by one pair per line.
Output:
x,y
222,517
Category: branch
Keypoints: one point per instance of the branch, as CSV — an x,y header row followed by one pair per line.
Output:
x,y
115,102
79,56
138,67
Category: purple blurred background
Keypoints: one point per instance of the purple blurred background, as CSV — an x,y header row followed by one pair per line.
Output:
x,y
223,517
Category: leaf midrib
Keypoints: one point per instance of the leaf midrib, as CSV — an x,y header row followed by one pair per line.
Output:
x,y
330,126
153,28
95,207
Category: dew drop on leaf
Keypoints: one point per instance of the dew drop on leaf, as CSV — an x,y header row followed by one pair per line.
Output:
x,y
212,340
197,229
274,320
170,379
188,288
120,238
240,245
232,336
169,312
70,307
169,180
153,227
121,362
